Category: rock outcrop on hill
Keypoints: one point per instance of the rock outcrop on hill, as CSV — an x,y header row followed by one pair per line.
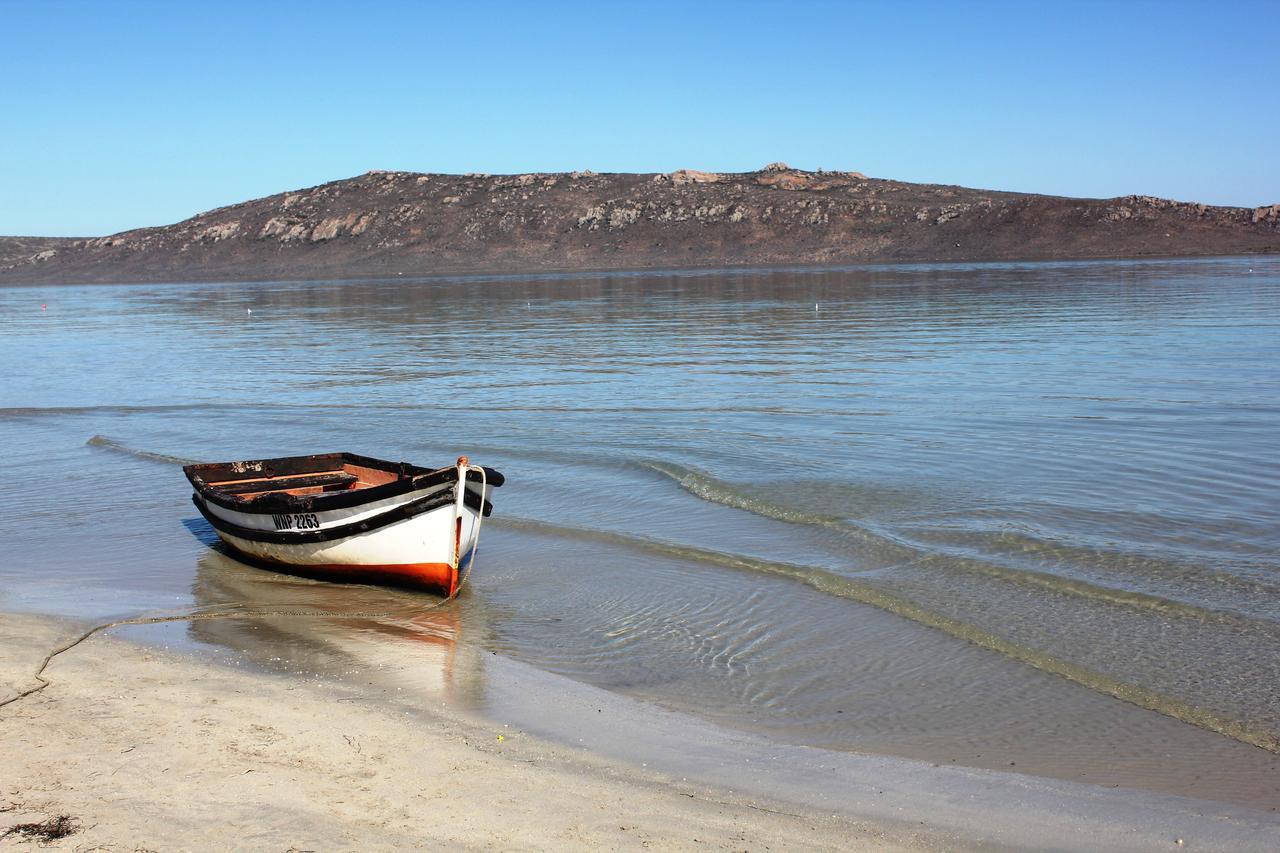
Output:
x,y
389,223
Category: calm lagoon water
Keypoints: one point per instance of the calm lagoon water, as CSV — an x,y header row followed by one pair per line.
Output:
x,y
946,512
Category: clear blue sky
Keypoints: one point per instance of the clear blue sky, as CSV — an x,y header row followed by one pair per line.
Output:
x,y
118,115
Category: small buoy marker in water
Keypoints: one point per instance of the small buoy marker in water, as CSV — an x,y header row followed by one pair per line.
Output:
x,y
44,306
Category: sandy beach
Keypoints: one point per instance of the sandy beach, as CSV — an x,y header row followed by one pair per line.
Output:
x,y
148,749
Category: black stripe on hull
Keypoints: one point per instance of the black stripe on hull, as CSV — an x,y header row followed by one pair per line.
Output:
x,y
342,531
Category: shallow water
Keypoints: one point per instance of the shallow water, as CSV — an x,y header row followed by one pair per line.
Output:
x,y
948,512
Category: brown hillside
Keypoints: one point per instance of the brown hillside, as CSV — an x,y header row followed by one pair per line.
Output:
x,y
388,223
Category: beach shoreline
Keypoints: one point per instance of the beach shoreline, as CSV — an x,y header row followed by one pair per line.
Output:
x,y
151,748
145,749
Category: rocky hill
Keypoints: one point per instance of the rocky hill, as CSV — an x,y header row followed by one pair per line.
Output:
x,y
388,223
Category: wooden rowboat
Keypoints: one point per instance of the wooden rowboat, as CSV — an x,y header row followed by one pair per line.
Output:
x,y
339,516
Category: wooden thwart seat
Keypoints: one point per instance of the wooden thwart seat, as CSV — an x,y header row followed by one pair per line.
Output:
x,y
340,479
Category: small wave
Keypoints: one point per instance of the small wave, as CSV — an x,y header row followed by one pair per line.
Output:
x,y
976,548
710,489
17,412
116,447
24,412
904,550
867,592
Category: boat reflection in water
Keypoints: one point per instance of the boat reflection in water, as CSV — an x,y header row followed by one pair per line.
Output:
x,y
385,640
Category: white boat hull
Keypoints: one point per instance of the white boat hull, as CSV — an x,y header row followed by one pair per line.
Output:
x,y
423,538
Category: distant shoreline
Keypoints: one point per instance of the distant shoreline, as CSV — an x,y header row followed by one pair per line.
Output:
x,y
656,271
390,224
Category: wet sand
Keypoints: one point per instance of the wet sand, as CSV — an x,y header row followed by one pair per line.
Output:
x,y
149,749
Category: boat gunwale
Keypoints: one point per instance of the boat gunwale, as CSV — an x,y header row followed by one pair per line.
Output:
x,y
410,478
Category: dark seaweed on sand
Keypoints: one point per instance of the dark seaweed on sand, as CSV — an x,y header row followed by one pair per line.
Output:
x,y
49,830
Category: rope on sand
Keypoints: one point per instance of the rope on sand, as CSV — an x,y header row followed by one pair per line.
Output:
x,y
240,614
192,617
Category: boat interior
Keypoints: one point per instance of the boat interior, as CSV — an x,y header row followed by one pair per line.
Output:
x,y
310,475
346,478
